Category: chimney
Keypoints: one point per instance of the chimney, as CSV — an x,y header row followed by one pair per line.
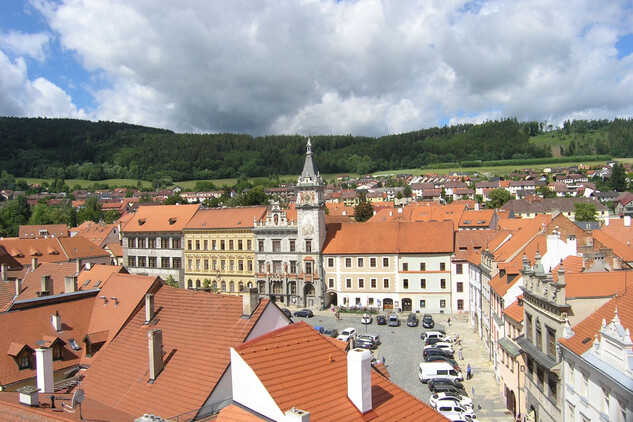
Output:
x,y
3,271
606,222
70,285
56,321
88,266
44,366
627,221
250,300
18,287
297,415
34,263
359,379
149,308
46,285
155,353
79,265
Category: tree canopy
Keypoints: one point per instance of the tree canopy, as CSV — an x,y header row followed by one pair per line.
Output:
x,y
498,198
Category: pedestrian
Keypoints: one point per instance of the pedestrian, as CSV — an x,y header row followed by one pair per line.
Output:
x,y
461,356
383,360
449,322
472,389
468,372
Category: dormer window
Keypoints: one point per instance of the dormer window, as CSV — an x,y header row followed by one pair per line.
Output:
x,y
24,362
172,221
58,352
21,353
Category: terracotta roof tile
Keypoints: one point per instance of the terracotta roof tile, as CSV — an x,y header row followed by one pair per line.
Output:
x,y
79,247
521,238
514,311
115,248
600,284
571,264
97,233
617,230
296,365
160,218
32,231
472,218
620,249
234,413
225,218
19,249
468,241
198,330
389,237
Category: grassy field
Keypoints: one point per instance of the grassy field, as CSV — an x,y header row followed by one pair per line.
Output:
x,y
189,184
558,139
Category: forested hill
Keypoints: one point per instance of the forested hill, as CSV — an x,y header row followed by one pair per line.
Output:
x,y
68,149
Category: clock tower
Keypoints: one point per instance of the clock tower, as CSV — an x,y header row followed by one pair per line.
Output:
x,y
311,205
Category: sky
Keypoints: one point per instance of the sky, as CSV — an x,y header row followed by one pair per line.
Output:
x,y
313,67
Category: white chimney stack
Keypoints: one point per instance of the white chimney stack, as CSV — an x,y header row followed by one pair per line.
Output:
x,y
606,222
70,284
34,263
3,271
297,415
44,366
250,300
149,308
359,378
627,221
155,353
18,287
56,321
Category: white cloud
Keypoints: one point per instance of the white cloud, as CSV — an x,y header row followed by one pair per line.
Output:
x,y
367,67
21,44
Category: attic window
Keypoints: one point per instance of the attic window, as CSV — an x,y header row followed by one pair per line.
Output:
x,y
172,220
98,283
481,222
86,283
467,221
73,344
141,221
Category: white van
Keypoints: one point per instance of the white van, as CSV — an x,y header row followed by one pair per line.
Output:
x,y
431,370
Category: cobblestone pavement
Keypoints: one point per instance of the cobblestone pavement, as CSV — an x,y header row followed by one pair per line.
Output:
x,y
402,349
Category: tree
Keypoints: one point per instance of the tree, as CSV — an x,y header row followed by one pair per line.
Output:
x,y
364,210
545,192
585,211
171,282
175,199
407,191
91,211
498,198
15,213
618,178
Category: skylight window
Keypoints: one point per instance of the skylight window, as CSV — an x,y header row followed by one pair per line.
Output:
x,y
86,283
98,283
73,344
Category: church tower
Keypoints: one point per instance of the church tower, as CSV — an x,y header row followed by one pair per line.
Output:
x,y
311,205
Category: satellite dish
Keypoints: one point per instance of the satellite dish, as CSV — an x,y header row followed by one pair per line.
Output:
x,y
78,397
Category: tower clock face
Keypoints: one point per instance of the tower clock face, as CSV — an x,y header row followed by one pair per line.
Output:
x,y
307,198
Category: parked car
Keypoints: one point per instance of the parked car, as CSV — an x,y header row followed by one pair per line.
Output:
x,y
333,332
375,337
453,381
286,312
412,320
447,388
427,321
438,398
347,334
366,319
436,334
381,319
441,345
394,321
428,371
434,351
453,408
320,328
442,358
366,342
306,313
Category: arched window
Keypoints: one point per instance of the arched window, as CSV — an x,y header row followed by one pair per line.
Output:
x,y
190,284
215,285
224,286
198,285
231,286
241,286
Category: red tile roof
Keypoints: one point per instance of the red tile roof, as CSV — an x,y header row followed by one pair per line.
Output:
x,y
81,248
226,218
97,233
620,249
468,241
389,237
590,326
234,413
198,330
481,218
52,249
599,284
32,231
617,230
514,311
571,264
297,365
160,218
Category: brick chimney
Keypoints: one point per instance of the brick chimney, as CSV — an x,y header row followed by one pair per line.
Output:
x,y
44,366
149,308
155,353
250,300
70,285
359,379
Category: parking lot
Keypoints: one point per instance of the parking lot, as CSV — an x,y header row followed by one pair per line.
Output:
x,y
402,349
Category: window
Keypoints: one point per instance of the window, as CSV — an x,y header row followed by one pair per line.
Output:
x,y
73,344
460,286
214,245
141,261
308,267
405,266
552,384
214,264
131,261
164,243
249,266
330,283
293,246
385,262
348,262
605,401
24,362
231,244
528,326
141,242
551,342
460,304
151,243
372,262
422,303
374,283
176,243
293,267
423,283
190,264
222,265
261,265
222,245
361,262
240,265
584,386
231,265
239,246
348,283
176,263
276,245
164,262
308,246
459,268
260,245
206,265
442,283
442,266
385,283
330,262
206,245
277,267
405,283
538,337
58,352
361,283
422,266
370,301
249,245
151,262
197,245
442,303
197,265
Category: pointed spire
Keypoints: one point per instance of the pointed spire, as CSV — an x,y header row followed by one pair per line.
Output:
x,y
309,173
616,318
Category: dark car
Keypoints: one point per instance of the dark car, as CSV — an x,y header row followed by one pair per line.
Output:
x,y
436,382
433,340
435,351
394,321
304,313
427,321
365,342
447,388
381,320
331,333
441,358
286,312
412,320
